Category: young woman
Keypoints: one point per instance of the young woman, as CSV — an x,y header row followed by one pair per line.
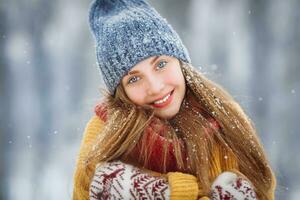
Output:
x,y
163,130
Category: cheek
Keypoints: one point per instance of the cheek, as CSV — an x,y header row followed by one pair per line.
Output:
x,y
136,95
169,79
174,78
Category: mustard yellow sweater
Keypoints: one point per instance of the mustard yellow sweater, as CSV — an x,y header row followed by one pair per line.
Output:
x,y
181,184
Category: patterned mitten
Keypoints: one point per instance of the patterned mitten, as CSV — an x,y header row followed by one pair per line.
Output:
x,y
229,186
117,180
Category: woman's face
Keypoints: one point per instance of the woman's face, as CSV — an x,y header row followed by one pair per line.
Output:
x,y
157,82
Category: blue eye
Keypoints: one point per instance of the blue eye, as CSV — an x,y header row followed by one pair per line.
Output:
x,y
133,79
161,64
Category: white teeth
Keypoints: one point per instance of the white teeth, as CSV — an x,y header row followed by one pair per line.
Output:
x,y
162,100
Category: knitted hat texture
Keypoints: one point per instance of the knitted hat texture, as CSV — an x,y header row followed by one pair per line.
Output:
x,y
127,32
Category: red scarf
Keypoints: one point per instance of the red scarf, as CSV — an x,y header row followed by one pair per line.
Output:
x,y
156,132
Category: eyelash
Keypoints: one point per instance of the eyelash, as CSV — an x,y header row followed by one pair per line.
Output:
x,y
163,61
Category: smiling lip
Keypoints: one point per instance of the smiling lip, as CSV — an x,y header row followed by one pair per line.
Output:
x,y
164,103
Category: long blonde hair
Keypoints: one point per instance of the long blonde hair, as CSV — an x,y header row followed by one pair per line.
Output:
x,y
127,121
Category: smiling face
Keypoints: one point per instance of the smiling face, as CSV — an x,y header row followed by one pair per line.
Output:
x,y
157,82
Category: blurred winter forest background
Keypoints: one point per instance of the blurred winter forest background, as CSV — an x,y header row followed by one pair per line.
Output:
x,y
49,82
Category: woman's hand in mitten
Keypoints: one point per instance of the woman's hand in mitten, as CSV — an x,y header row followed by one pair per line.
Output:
x,y
230,186
117,180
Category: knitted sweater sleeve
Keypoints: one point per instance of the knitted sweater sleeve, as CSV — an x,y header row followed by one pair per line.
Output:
x,y
81,179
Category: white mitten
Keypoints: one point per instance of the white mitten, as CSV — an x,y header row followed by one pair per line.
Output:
x,y
117,180
229,186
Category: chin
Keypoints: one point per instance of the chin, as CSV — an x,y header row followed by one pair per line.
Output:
x,y
167,114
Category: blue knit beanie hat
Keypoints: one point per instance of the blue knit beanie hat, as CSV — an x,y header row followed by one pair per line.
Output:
x,y
127,32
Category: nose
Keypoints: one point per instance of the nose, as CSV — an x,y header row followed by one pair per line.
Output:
x,y
154,86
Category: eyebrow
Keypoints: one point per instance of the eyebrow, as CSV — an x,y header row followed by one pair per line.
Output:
x,y
151,62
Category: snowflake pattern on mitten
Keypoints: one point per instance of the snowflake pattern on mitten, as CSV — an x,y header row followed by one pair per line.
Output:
x,y
117,180
229,186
